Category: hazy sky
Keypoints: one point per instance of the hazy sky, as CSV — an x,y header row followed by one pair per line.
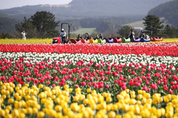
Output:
x,y
5,4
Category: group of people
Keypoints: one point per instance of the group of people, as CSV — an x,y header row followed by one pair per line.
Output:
x,y
87,37
142,35
79,37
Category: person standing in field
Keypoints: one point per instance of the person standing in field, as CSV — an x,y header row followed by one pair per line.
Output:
x,y
131,35
23,35
63,36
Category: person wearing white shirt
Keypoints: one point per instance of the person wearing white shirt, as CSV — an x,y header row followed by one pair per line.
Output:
x,y
23,35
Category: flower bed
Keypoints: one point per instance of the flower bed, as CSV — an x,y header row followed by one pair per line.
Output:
x,y
82,82
112,73
43,101
49,40
160,49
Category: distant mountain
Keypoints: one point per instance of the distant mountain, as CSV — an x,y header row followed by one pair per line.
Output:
x,y
168,10
89,9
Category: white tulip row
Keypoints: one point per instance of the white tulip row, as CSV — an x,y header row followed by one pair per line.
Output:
x,y
119,59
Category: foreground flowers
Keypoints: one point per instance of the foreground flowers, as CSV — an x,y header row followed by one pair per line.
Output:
x,y
88,85
100,75
41,101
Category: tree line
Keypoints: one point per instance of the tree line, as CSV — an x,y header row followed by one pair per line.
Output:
x,y
43,25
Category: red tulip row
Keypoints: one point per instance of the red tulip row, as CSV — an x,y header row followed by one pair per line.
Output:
x,y
161,49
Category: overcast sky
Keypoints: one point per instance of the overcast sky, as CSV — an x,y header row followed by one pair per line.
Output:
x,y
6,4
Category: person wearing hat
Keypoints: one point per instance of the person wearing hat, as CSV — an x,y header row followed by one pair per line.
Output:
x,y
63,35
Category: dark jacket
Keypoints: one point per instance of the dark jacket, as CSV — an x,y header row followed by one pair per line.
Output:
x,y
86,38
79,38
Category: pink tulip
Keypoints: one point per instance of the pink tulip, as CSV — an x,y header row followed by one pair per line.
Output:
x,y
74,79
107,86
171,91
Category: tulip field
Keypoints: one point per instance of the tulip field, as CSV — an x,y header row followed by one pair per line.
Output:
x,y
49,40
125,80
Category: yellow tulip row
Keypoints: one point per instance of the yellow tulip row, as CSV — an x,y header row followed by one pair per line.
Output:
x,y
49,40
17,101
28,41
174,40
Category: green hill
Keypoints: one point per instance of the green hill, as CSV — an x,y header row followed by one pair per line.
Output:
x,y
168,10
7,24
136,24
85,30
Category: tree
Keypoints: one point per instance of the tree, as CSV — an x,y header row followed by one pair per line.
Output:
x,y
104,26
153,24
45,24
41,24
5,35
170,31
29,28
124,31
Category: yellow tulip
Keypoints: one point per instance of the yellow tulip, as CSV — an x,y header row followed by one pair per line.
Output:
x,y
108,99
88,90
15,113
29,110
58,115
34,110
40,114
6,111
2,112
40,86
74,107
111,114
118,116
145,113
85,114
139,97
11,100
8,116
137,109
21,115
